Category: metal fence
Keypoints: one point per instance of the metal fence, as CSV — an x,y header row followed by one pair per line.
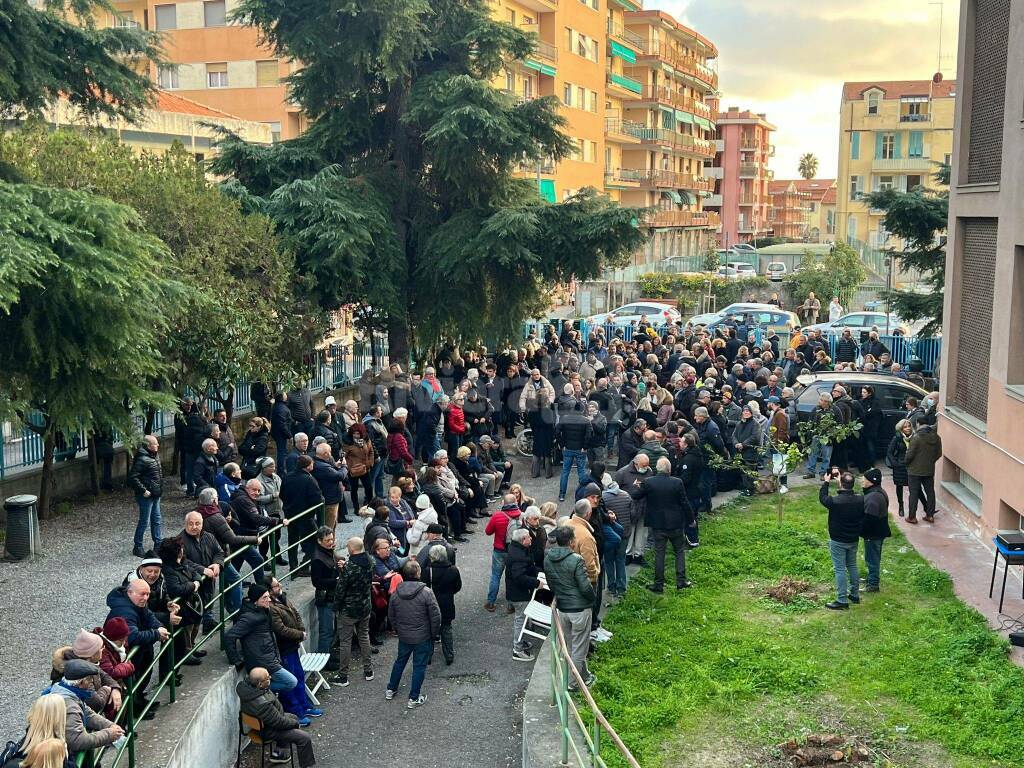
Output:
x,y
329,368
902,348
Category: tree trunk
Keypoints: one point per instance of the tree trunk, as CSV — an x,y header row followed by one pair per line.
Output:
x,y
94,474
150,419
46,484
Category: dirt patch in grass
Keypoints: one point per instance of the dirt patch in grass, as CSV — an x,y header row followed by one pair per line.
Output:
x,y
788,590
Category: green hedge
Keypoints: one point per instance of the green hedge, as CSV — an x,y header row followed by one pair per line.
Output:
x,y
687,289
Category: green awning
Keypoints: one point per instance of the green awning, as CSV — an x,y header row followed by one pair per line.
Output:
x,y
672,195
628,83
544,69
686,197
705,124
684,117
547,190
623,52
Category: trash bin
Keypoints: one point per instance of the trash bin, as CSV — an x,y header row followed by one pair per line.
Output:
x,y
22,536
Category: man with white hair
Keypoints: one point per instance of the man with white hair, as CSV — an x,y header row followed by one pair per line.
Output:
x,y
520,581
301,441
631,476
668,514
204,471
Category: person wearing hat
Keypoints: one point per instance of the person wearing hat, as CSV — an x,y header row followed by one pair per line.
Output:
x,y
84,730
425,517
114,657
88,646
876,525
845,527
254,632
433,537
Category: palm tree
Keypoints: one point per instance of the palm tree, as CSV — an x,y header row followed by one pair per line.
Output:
x,y
808,166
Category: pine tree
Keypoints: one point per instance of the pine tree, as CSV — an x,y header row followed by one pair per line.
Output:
x,y
401,194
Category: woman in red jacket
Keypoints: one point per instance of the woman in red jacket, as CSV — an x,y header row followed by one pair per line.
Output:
x,y
399,457
456,422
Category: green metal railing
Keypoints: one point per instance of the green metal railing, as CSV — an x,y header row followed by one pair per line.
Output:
x,y
583,739
127,711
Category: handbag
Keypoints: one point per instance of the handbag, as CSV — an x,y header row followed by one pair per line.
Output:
x,y
378,597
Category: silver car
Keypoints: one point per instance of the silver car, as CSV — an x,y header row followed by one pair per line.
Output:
x,y
858,322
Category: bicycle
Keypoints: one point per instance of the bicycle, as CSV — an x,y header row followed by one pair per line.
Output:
x,y
524,442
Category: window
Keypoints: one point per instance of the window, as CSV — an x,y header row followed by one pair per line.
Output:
x,y
885,182
528,87
267,73
594,50
167,76
582,47
214,13
217,75
988,91
888,146
855,187
915,144
1015,361
855,145
973,289
592,104
510,80
567,94
275,131
592,3
913,182
568,38
166,17
581,97
851,227
125,20
873,103
511,15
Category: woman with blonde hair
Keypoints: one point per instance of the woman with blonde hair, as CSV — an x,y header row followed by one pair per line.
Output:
x,y
48,753
522,499
47,718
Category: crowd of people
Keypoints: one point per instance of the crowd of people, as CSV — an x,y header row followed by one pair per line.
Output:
x,y
652,426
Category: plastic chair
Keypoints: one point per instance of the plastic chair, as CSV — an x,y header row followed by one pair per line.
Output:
x,y
538,614
313,664
255,735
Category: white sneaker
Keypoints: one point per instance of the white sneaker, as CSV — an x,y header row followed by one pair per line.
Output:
x,y
597,638
389,694
413,703
602,632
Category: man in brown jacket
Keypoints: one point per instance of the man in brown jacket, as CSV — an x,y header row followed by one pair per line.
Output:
x,y
584,543
924,450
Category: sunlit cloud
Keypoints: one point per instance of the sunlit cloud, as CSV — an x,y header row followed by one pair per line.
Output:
x,y
789,58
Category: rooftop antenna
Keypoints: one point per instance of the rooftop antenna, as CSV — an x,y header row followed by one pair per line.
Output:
x,y
941,8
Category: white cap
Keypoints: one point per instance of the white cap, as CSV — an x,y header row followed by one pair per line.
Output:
x,y
422,501
329,400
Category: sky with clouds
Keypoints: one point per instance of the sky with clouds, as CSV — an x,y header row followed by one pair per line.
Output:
x,y
789,59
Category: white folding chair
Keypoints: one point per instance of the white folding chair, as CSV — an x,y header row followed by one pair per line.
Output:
x,y
538,614
313,665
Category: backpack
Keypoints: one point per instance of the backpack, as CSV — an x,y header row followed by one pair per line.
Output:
x,y
514,524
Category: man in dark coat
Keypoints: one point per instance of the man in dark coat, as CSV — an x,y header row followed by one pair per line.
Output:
x,y
203,550
281,426
352,609
520,581
256,698
254,632
299,492
630,442
416,617
192,441
668,514
444,579
204,470
845,524
876,525
131,603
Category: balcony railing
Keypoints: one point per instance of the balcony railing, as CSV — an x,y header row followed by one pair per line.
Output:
x,y
653,177
546,50
903,164
749,169
680,142
521,97
915,118
623,175
531,167
626,36
682,62
626,83
616,126
682,219
749,200
676,99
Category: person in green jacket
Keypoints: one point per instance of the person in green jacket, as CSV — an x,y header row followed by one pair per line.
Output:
x,y
567,578
352,605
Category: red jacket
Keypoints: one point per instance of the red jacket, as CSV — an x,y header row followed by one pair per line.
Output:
x,y
498,525
456,420
111,662
398,448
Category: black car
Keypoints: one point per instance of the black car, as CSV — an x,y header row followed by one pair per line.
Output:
x,y
890,392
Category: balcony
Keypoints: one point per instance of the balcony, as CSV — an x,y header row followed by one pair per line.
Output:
x,y
679,142
656,179
623,35
622,131
705,219
750,170
908,118
541,6
624,86
903,164
545,50
521,97
545,167
749,200
713,201
667,95
622,177
682,63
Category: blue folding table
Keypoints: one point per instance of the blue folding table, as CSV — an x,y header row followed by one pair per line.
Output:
x,y
1012,557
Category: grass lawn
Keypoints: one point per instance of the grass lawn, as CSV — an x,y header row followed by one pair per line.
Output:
x,y
720,675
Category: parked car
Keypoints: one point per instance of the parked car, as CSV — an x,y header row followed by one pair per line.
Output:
x,y
746,320
746,247
775,271
711,317
862,322
729,273
656,312
890,392
743,269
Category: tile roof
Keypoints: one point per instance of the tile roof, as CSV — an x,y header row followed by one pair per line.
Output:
x,y
830,196
895,89
172,102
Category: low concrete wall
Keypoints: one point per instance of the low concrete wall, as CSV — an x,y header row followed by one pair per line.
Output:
x,y
72,478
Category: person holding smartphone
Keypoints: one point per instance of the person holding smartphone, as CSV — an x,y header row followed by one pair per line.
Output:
x,y
845,523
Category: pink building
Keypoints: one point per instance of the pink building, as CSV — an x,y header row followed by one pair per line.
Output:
x,y
742,196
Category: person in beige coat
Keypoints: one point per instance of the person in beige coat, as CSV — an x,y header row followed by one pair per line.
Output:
x,y
584,543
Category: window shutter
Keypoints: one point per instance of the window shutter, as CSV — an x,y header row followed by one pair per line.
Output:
x,y
878,145
896,145
976,275
855,145
267,73
988,91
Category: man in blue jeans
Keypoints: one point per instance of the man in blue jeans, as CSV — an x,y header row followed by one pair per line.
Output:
x,y
845,524
146,478
416,617
572,432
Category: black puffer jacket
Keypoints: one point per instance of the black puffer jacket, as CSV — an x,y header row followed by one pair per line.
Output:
x,y
146,474
445,581
573,430
204,471
248,517
253,630
520,573
254,445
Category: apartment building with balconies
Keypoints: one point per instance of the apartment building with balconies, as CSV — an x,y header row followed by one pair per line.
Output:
x,y
797,207
892,134
981,402
661,75
743,147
